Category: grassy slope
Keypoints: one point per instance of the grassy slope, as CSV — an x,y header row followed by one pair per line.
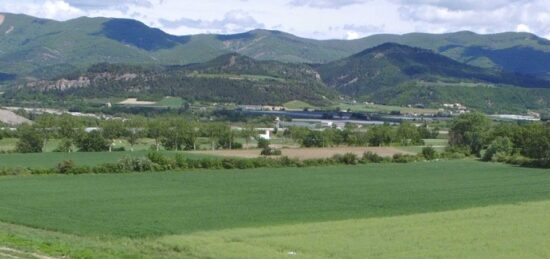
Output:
x,y
141,205
505,231
510,231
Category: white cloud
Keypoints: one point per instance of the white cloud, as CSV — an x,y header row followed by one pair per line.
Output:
x,y
59,10
321,19
351,35
523,28
233,21
325,3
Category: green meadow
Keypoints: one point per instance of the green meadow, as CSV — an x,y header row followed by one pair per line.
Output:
x,y
445,209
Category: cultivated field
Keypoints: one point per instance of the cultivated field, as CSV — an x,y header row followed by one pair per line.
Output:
x,y
309,153
424,209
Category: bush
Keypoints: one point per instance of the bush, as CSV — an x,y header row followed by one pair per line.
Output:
x,y
158,158
501,145
271,152
237,145
370,157
181,161
453,155
348,159
401,158
65,167
263,143
134,164
429,153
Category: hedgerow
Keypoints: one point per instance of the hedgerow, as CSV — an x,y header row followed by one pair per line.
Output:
x,y
157,162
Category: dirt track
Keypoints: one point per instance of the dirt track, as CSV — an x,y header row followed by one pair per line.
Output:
x,y
308,153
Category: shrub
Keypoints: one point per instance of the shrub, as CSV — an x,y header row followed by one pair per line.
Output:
x,y
371,157
271,152
502,145
348,159
158,158
401,158
263,143
65,167
429,153
453,155
135,164
236,145
181,161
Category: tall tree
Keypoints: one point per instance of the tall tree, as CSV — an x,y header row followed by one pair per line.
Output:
x,y
30,140
470,130
113,129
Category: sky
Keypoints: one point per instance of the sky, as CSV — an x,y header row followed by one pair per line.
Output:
x,y
319,19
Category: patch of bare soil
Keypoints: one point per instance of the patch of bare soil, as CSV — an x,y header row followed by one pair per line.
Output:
x,y
134,101
10,118
308,153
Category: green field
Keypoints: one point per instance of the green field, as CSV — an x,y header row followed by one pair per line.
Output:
x,y
380,210
50,160
172,102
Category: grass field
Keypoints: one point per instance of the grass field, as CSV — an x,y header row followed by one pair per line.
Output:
x,y
173,102
438,209
50,160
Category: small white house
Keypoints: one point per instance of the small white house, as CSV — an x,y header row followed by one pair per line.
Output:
x,y
266,136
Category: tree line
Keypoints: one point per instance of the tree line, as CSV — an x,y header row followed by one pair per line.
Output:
x,y
523,144
406,134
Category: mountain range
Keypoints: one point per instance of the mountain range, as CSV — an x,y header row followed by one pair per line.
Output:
x,y
37,47
105,57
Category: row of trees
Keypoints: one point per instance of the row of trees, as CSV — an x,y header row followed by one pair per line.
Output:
x,y
175,133
383,135
170,133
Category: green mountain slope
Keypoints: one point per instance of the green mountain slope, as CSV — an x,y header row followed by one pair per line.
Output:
x,y
389,65
401,75
228,78
44,48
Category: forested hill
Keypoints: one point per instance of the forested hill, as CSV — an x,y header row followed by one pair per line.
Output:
x,y
229,78
390,65
44,48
